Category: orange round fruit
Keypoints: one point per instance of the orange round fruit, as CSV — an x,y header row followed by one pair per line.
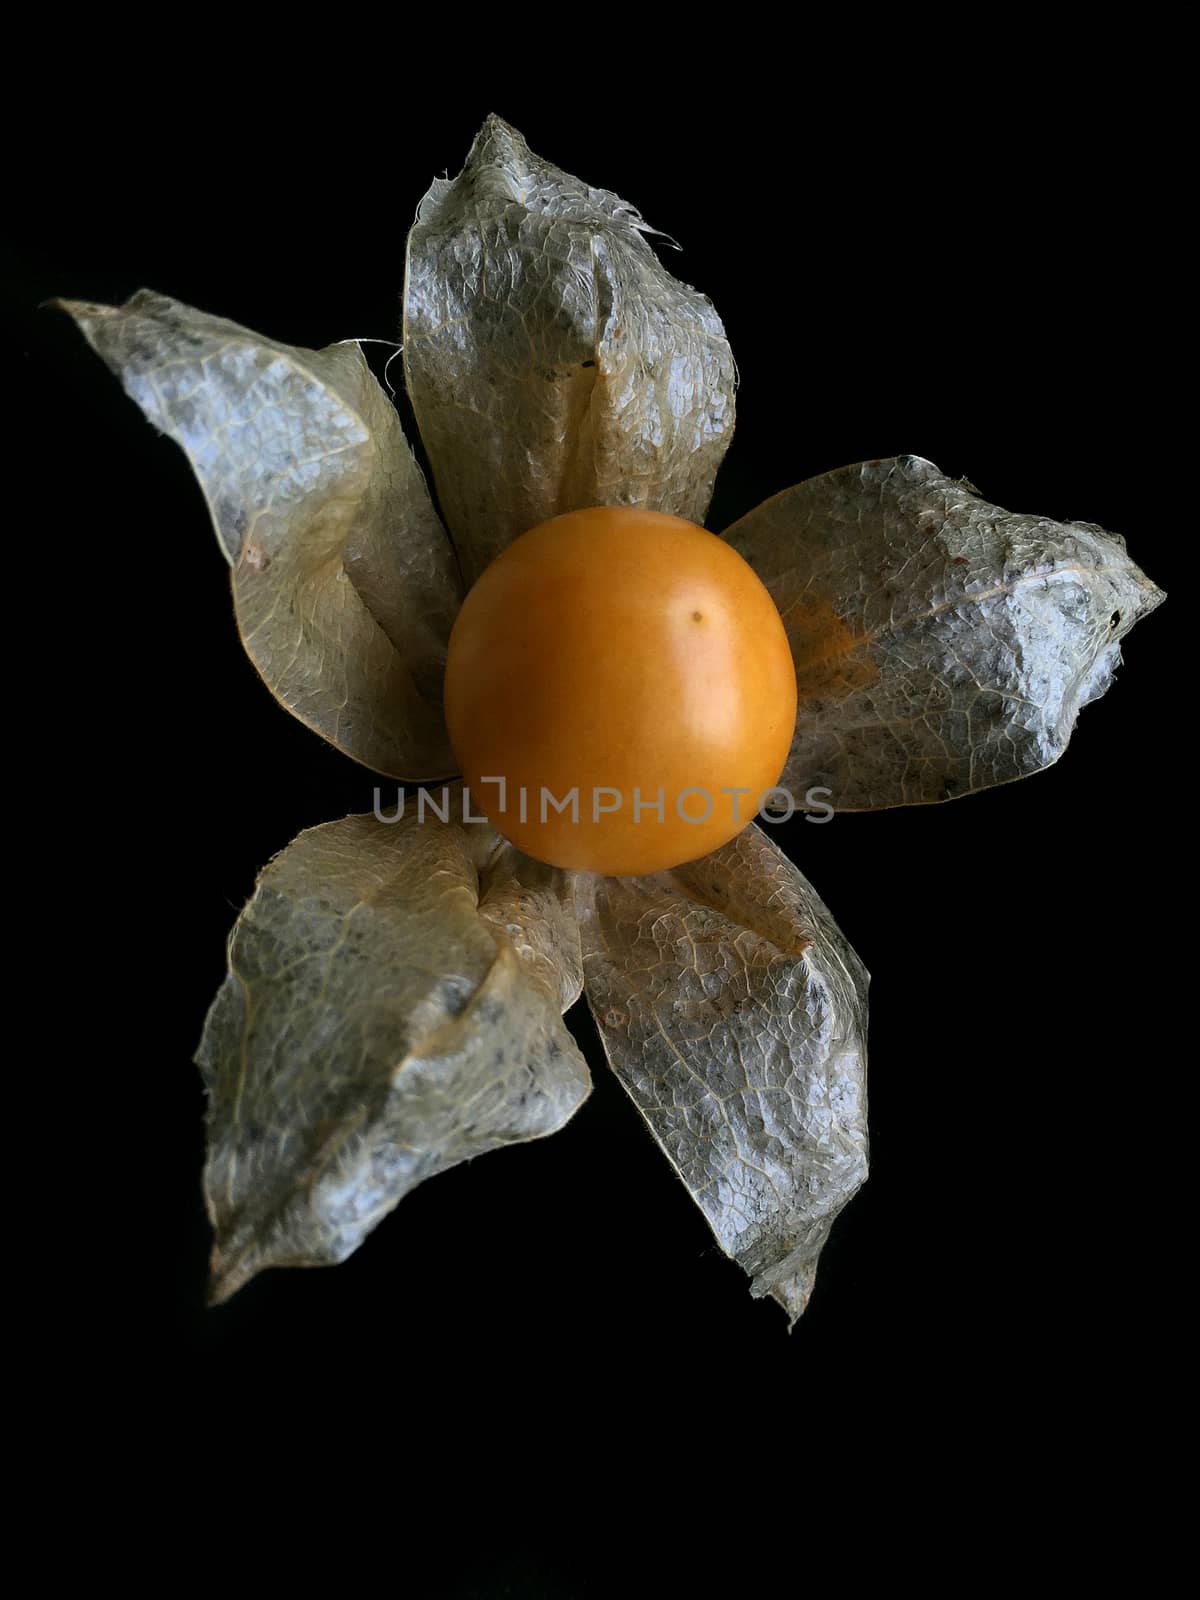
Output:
x,y
619,691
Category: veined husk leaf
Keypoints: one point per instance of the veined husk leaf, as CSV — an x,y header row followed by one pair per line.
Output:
x,y
735,1014
344,582
393,1006
551,360
942,644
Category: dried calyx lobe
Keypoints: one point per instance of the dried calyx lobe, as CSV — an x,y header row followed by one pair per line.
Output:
x,y
344,583
552,361
393,1007
941,644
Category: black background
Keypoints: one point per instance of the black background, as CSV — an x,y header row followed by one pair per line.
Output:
x,y
986,281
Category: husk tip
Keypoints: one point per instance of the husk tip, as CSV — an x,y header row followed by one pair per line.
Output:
x,y
497,144
227,1274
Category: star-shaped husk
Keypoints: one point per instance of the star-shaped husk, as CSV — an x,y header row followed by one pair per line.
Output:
x,y
395,991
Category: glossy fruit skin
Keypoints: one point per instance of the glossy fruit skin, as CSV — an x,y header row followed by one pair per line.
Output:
x,y
627,650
